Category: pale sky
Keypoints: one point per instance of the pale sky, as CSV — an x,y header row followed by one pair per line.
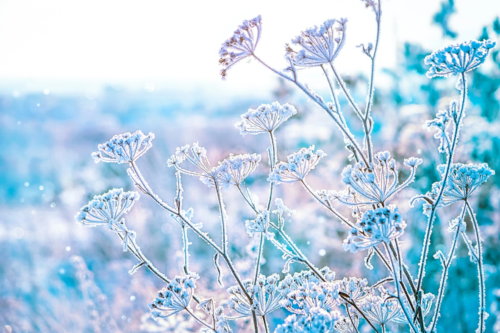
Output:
x,y
56,44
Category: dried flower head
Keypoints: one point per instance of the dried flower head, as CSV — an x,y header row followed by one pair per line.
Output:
x,y
259,225
175,297
124,148
265,119
319,45
298,166
376,226
265,296
241,45
457,59
380,310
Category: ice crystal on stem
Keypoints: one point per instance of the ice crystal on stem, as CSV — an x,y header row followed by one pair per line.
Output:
x,y
241,45
456,59
124,148
319,45
265,119
298,166
376,226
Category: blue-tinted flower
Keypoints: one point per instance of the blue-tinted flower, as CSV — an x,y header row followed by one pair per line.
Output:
x,y
316,321
298,166
241,45
124,148
265,119
380,310
376,226
259,225
463,181
319,45
457,59
265,296
175,297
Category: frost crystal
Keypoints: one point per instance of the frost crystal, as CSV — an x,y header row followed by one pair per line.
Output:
x,y
456,59
298,166
241,45
463,180
265,296
265,119
319,45
376,226
175,297
107,209
124,148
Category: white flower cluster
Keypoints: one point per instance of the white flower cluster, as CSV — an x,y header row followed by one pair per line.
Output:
x,y
265,296
298,166
265,119
380,310
175,297
377,183
107,209
457,59
259,224
240,45
319,45
231,171
124,148
376,226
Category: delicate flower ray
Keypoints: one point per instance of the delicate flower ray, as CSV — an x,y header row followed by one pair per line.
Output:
x,y
377,226
298,166
305,291
380,310
317,321
265,119
175,297
241,45
456,59
107,209
124,148
377,183
259,225
463,181
231,171
265,296
344,325
319,45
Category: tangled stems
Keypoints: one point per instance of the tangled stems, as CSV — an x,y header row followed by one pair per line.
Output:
x,y
482,288
446,266
141,183
428,231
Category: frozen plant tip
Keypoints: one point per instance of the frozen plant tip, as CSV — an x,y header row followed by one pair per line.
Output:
x,y
319,45
241,45
124,148
265,119
298,166
457,59
376,226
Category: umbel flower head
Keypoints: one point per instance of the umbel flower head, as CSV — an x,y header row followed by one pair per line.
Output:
x,y
463,180
231,171
259,225
107,209
241,44
298,166
265,119
175,297
319,45
457,59
376,226
376,184
317,321
380,310
265,296
345,325
124,148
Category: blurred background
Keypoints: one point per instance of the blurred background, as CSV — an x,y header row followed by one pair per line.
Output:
x,y
73,74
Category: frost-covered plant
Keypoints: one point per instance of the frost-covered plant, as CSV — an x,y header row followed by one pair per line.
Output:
x,y
316,300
